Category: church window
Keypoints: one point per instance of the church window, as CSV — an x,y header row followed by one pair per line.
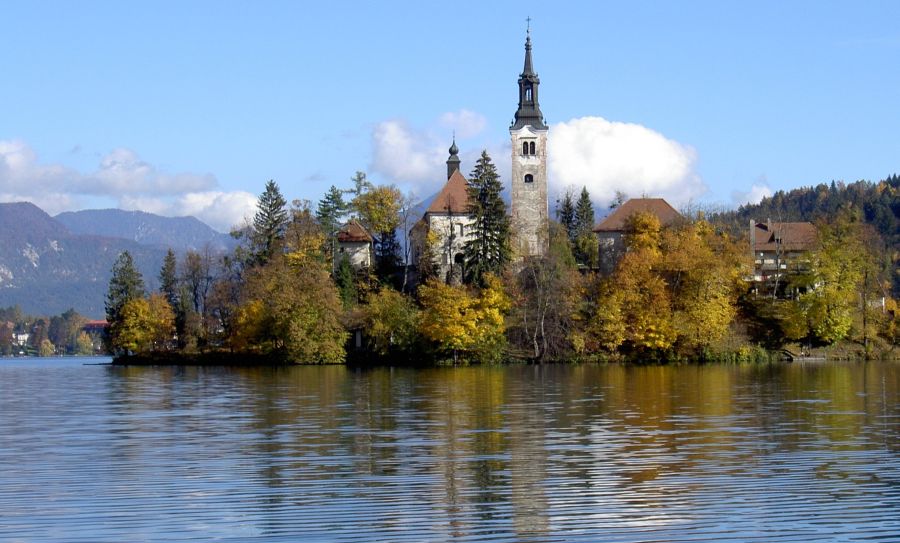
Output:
x,y
531,148
529,178
524,147
527,94
462,230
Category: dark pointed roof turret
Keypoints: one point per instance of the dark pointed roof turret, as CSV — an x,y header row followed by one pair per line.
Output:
x,y
529,112
453,161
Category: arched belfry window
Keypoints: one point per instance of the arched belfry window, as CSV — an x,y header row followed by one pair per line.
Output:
x,y
529,178
524,147
527,94
531,148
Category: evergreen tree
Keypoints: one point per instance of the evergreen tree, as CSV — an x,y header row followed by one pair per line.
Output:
x,y
269,222
168,278
584,214
565,215
125,285
330,214
488,251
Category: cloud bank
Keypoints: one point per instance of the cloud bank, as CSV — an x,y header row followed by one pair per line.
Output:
x,y
607,156
123,178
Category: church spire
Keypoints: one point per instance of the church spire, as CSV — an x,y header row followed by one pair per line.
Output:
x,y
529,112
453,161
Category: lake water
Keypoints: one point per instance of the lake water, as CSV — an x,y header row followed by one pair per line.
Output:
x,y
797,452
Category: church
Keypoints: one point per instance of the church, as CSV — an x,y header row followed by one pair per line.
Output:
x,y
446,224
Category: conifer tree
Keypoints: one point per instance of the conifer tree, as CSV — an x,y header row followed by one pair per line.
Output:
x,y
565,215
168,278
330,213
125,285
586,244
269,223
488,251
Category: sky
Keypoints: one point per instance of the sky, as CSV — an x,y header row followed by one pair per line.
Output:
x,y
188,108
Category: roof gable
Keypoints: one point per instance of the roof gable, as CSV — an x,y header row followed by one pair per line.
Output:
x,y
353,232
453,198
615,222
789,236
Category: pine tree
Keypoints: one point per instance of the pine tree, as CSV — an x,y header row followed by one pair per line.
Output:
x,y
488,251
584,214
330,213
565,214
168,278
269,222
125,285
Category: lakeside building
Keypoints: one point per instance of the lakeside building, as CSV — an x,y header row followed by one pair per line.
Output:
x,y
779,251
356,245
447,219
611,230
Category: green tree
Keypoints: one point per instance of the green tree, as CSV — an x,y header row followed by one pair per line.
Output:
x,y
125,285
269,223
330,213
168,278
488,251
587,249
391,322
83,344
565,214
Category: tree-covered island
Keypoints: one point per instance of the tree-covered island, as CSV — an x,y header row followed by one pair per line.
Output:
x,y
364,277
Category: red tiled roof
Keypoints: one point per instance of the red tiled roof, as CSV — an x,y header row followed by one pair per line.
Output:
x,y
353,232
793,236
453,198
615,222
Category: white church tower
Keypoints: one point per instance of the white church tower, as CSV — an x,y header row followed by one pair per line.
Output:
x,y
529,166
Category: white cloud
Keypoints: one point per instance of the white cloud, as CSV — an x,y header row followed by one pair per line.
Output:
x,y
607,156
403,155
465,123
121,177
756,193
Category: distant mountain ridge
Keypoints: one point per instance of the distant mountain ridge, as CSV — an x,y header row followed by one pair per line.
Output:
x,y
47,267
179,233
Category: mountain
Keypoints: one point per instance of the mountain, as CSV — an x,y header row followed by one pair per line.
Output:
x,y
46,269
179,233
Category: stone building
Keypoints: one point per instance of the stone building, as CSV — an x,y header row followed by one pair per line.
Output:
x,y
448,218
611,230
356,245
529,166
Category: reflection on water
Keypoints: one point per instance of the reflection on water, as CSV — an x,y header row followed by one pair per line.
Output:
x,y
558,453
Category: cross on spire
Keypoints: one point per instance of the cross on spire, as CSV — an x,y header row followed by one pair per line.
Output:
x,y
528,22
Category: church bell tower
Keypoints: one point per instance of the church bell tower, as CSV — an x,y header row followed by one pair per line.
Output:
x,y
529,166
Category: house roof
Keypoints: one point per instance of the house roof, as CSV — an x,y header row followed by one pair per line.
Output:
x,y
353,232
453,198
793,236
615,222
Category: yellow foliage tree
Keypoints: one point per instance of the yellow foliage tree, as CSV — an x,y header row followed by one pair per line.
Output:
x,y
147,324
391,320
461,323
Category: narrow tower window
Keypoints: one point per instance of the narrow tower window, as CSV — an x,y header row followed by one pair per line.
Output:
x,y
524,147
531,148
529,178
527,94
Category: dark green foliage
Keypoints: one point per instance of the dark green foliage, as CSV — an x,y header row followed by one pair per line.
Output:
x,y
488,251
126,284
269,223
584,240
387,255
168,278
565,214
584,213
345,279
330,213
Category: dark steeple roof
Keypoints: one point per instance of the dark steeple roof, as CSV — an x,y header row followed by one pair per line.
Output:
x,y
529,112
453,161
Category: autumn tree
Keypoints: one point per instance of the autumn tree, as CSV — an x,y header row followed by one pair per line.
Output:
x,y
379,212
463,324
489,249
148,324
545,294
391,320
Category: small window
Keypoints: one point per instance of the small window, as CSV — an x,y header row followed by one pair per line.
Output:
x,y
527,94
524,147
462,230
531,148
529,178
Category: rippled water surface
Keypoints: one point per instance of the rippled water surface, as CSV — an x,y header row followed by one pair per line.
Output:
x,y
803,452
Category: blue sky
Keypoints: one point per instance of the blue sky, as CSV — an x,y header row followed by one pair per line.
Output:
x,y
189,107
